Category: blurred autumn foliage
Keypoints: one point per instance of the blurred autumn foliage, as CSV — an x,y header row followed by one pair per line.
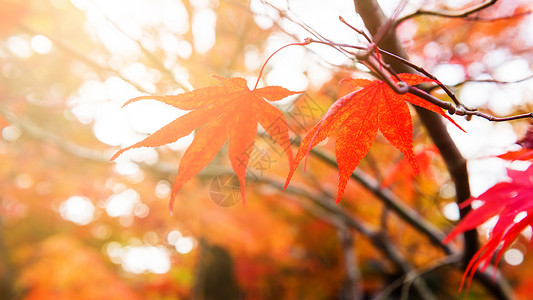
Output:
x,y
74,225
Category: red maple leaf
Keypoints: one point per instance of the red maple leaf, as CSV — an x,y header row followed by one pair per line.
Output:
x,y
358,115
526,153
504,200
523,154
230,111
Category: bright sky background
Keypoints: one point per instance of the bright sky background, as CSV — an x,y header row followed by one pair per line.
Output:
x,y
98,103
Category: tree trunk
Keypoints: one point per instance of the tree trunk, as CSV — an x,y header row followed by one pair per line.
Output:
x,y
375,20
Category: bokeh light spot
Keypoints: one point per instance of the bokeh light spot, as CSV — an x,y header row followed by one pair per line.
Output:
x,y
79,210
184,245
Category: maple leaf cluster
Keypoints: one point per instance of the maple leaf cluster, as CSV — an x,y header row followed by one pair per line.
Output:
x,y
232,111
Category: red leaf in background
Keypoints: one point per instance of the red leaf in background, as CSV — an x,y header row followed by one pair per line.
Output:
x,y
402,172
504,200
522,154
357,117
230,111
526,153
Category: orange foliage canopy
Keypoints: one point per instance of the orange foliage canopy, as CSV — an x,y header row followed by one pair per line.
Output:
x,y
220,112
63,268
11,14
358,115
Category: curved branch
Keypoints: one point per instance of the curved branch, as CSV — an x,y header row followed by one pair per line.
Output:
x,y
395,204
449,14
414,274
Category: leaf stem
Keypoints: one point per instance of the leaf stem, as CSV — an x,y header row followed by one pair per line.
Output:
x,y
307,42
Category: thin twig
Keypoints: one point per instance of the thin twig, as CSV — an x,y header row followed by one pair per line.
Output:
x,y
491,81
449,14
299,23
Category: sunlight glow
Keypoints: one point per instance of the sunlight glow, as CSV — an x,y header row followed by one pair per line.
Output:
x,y
162,189
512,70
126,168
141,210
154,115
486,228
23,181
264,15
484,139
451,211
139,258
447,190
111,124
11,133
79,210
513,256
520,216
173,237
19,46
41,44
449,74
122,204
203,29
476,94
185,245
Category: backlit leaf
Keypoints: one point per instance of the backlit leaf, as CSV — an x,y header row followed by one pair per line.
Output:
x,y
358,116
230,111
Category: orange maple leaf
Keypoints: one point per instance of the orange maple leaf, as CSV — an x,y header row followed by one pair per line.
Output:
x,y
230,111
358,115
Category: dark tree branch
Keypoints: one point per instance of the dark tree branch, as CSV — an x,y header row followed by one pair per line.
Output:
x,y
414,274
339,218
354,289
390,200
